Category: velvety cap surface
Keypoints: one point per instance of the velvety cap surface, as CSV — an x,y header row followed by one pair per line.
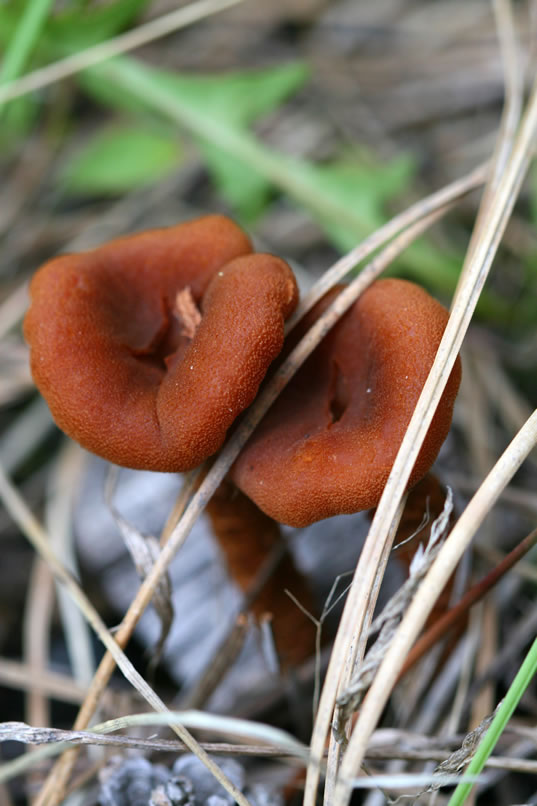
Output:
x,y
329,442
147,348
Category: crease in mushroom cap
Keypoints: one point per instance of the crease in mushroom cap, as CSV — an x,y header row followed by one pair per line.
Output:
x,y
328,443
117,368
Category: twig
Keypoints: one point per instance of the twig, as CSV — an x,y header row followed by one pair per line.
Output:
x,y
477,267
39,539
51,684
416,615
477,592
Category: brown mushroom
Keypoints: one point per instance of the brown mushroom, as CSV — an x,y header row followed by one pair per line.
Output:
x,y
148,348
129,366
249,540
328,443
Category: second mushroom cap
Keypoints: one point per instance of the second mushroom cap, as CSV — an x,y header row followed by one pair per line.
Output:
x,y
328,443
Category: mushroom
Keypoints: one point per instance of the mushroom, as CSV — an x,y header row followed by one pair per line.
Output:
x,y
149,347
129,365
328,443
250,539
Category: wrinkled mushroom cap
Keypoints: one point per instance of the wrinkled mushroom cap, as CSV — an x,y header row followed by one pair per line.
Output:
x,y
127,368
328,443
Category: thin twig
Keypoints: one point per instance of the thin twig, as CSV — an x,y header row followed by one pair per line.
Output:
x,y
51,684
446,562
474,595
21,732
450,193
478,264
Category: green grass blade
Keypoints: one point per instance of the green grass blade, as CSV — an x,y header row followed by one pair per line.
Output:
x,y
22,43
19,50
512,698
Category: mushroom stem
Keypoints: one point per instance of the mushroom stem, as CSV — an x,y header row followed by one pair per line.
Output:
x,y
247,538
425,503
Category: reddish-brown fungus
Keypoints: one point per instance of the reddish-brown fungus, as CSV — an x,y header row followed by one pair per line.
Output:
x,y
248,538
147,348
329,442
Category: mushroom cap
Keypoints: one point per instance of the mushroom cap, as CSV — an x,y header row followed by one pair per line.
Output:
x,y
110,352
327,445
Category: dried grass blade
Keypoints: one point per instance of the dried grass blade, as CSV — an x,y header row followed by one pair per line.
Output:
x,y
512,109
421,209
415,618
62,491
335,747
470,598
477,266
39,539
144,550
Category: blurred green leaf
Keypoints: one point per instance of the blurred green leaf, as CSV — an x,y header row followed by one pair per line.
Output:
x,y
333,196
30,36
119,159
238,97
246,191
235,99
77,28
367,186
359,184
137,85
23,38
72,29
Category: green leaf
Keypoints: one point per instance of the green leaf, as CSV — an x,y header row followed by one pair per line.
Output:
x,y
30,35
245,190
238,97
119,159
331,193
348,197
235,99
367,187
73,29
360,185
